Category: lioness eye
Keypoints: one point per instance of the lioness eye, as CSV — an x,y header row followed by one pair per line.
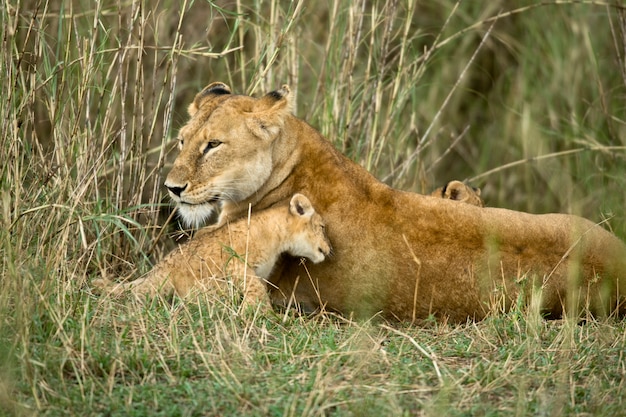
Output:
x,y
212,145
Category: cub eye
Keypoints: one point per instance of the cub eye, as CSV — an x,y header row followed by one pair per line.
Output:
x,y
181,142
212,145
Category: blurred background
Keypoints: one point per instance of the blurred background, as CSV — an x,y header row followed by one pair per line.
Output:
x,y
524,99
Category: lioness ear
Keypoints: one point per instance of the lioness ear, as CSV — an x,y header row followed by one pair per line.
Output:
x,y
269,112
281,99
300,206
210,91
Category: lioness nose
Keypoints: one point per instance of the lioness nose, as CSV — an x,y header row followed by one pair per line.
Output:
x,y
175,189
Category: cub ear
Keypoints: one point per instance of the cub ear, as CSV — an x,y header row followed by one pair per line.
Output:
x,y
300,206
269,112
210,91
456,190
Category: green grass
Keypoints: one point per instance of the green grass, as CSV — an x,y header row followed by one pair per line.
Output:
x,y
199,359
527,100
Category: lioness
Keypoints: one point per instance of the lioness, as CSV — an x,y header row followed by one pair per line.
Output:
x,y
245,252
458,191
402,254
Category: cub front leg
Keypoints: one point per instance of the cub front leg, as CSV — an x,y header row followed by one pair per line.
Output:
x,y
150,284
253,287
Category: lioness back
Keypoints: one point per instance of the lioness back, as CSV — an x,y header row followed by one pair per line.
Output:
x,y
401,254
245,252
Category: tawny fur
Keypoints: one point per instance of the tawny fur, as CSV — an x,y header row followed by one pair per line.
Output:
x,y
402,254
458,191
241,254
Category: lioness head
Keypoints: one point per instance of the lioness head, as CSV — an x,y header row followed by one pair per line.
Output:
x,y
458,191
307,230
225,149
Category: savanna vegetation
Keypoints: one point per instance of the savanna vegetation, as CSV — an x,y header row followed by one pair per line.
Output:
x,y
524,99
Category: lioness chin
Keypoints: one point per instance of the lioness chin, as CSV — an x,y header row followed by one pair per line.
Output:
x,y
397,253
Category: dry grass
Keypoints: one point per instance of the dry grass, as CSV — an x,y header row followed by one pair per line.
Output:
x,y
529,102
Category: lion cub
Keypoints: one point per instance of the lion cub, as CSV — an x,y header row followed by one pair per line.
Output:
x,y
212,256
458,191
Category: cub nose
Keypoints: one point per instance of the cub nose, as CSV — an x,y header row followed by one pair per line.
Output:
x,y
175,189
326,250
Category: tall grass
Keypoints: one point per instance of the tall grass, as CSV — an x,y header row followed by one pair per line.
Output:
x,y
525,100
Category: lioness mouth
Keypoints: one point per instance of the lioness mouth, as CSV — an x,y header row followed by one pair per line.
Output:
x,y
211,201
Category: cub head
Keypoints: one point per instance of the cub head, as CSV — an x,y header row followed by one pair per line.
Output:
x,y
225,149
307,231
458,191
